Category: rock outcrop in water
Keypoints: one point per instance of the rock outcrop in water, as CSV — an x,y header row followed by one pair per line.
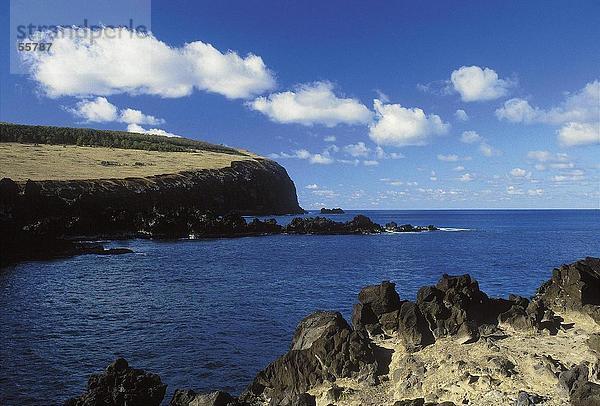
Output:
x,y
335,210
122,385
453,345
320,225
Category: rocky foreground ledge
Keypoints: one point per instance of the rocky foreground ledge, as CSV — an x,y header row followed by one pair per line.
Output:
x,y
453,346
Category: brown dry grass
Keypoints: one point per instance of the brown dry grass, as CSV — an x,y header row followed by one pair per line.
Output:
x,y
60,162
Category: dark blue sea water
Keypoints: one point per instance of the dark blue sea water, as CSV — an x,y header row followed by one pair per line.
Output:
x,y
210,314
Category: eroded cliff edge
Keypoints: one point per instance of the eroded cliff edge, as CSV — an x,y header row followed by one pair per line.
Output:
x,y
36,213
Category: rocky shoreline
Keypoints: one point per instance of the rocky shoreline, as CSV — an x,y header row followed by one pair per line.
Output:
x,y
39,240
454,345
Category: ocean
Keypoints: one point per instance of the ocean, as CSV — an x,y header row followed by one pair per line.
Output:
x,y
209,314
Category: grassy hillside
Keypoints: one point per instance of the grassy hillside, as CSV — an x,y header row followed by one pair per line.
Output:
x,y
36,134
60,153
20,162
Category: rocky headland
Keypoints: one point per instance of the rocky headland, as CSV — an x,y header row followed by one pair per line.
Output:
x,y
454,345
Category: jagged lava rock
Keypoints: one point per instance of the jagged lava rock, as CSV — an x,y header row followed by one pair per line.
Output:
x,y
574,287
188,397
324,348
121,385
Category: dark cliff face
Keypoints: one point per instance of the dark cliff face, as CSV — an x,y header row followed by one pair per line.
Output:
x,y
251,187
38,212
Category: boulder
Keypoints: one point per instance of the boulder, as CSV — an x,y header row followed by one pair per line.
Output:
x,y
121,385
570,380
574,287
586,394
413,328
189,397
528,399
324,348
375,301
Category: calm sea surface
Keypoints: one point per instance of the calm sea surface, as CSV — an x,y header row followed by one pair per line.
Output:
x,y
209,314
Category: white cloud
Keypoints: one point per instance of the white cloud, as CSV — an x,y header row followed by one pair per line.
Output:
x,y
398,126
512,190
459,168
487,150
135,128
577,115
466,177
323,158
325,193
357,150
477,84
519,173
433,176
370,162
571,176
131,116
535,192
470,137
310,104
329,138
312,186
448,158
120,61
381,154
579,134
382,96
461,115
99,110
547,156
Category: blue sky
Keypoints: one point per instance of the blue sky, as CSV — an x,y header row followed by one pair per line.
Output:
x,y
524,74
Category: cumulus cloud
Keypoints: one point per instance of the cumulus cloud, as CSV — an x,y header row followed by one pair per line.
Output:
x,y
357,150
312,186
119,61
579,134
313,103
569,176
487,150
323,158
98,110
399,126
135,128
329,138
519,173
131,116
470,137
448,158
535,192
370,162
466,177
381,154
476,84
577,115
513,190
461,115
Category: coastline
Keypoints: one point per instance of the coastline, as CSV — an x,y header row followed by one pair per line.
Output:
x,y
495,351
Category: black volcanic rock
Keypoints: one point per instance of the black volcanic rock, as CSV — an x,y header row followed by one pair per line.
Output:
x,y
188,397
321,225
40,213
586,394
121,385
324,348
332,211
574,287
